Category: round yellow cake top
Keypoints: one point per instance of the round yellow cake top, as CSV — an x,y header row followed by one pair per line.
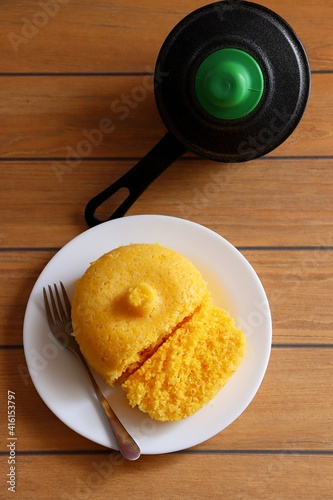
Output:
x,y
129,301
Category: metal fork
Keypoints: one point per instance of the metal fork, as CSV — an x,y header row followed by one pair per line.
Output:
x,y
58,312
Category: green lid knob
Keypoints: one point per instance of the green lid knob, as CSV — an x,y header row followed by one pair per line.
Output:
x,y
229,84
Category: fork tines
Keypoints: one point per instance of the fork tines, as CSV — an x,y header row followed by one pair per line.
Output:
x,y
59,304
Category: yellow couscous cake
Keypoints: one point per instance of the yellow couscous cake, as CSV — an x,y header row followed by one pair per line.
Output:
x,y
189,369
128,302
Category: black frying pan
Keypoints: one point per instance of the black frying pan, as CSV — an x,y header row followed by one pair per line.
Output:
x,y
236,83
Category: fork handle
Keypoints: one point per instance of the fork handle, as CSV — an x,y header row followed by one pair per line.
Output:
x,y
126,444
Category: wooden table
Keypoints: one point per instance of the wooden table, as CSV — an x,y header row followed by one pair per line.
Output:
x,y
67,65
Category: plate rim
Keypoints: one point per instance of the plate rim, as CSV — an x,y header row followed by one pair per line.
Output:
x,y
153,218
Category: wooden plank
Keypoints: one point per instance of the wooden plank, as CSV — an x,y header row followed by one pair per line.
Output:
x,y
82,66
291,279
225,476
81,36
299,287
116,116
298,382
262,203
18,272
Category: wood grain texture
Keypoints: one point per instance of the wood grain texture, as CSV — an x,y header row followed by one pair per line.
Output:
x,y
283,203
77,111
291,279
202,476
99,37
87,116
288,396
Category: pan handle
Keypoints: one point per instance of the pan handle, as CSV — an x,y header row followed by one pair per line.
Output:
x,y
138,178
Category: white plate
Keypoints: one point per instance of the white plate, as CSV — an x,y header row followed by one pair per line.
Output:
x,y
60,379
